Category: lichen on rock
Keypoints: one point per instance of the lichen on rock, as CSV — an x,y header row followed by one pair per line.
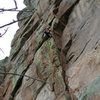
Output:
x,y
62,66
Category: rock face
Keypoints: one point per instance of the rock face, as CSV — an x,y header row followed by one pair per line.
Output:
x,y
3,68
55,52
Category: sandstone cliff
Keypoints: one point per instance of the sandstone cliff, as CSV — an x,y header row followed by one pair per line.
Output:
x,y
55,52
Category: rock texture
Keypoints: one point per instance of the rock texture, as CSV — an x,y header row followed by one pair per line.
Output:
x,y
3,68
55,52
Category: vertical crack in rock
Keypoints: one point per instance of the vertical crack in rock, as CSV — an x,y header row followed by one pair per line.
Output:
x,y
57,3
18,84
39,90
66,15
58,30
65,19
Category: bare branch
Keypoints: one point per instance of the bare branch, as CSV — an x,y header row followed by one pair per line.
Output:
x,y
4,32
3,10
9,73
14,21
12,9
1,50
15,4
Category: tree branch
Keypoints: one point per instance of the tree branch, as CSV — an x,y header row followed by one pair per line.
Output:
x,y
12,9
14,21
15,4
4,32
9,73
1,50
2,10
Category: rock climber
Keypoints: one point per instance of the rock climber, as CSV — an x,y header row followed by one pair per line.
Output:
x,y
47,32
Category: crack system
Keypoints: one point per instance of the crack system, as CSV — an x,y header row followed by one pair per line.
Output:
x,y
65,17
18,84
